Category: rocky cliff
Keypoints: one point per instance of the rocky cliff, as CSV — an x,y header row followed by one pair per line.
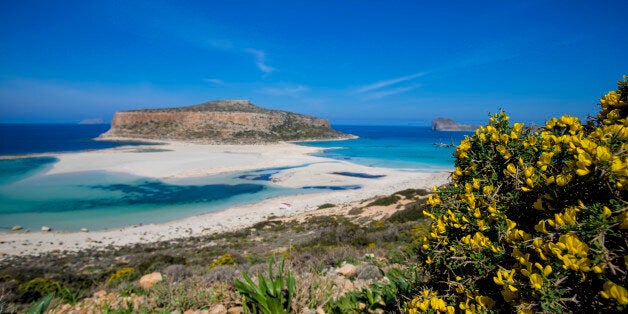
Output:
x,y
446,124
222,121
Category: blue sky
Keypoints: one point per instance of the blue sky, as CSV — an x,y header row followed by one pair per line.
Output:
x,y
353,62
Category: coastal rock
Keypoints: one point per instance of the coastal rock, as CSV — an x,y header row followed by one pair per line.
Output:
x,y
84,230
148,281
16,228
222,121
447,124
45,229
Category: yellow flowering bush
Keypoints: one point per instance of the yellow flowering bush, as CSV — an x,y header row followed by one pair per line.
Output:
x,y
225,259
535,219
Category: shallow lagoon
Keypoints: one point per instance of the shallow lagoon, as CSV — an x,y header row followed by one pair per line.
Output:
x,y
100,200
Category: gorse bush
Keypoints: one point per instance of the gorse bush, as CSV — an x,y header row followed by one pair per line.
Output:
x,y
225,259
534,220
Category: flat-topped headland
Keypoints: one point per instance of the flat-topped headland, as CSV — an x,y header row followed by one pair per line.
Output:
x,y
221,122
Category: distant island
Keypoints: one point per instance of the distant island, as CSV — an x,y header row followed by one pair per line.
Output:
x,y
447,124
221,121
93,121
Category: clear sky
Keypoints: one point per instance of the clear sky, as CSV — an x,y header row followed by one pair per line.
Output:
x,y
353,62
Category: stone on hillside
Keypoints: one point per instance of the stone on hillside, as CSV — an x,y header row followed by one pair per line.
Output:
x,y
235,310
100,294
347,270
218,309
148,281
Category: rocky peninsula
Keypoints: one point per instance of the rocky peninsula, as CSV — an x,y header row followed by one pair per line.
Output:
x,y
447,124
220,122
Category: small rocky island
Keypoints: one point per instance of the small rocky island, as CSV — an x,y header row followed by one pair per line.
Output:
x,y
221,121
447,124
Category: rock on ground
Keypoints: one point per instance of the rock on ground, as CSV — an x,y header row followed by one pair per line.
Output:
x,y
148,281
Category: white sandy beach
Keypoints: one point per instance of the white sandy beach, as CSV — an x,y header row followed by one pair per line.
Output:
x,y
183,160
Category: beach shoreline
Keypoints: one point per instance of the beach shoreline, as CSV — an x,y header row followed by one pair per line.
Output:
x,y
176,160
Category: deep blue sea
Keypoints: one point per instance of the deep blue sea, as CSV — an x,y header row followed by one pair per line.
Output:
x,y
100,200
17,139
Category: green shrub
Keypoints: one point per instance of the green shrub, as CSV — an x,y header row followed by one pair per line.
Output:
x,y
120,275
326,205
535,219
272,295
411,212
355,211
411,193
38,287
385,201
225,259
40,306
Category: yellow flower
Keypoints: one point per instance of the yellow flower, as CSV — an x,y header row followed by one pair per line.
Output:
x,y
606,212
511,168
582,171
598,269
487,189
540,227
510,224
562,180
536,281
603,153
438,304
485,301
610,99
614,291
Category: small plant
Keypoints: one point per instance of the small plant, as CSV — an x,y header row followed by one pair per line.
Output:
x,y
226,259
119,275
384,201
411,193
38,287
380,298
270,295
326,205
40,306
355,211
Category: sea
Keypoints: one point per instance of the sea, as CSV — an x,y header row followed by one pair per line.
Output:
x,y
98,200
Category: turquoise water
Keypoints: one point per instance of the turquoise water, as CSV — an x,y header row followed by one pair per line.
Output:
x,y
103,200
408,147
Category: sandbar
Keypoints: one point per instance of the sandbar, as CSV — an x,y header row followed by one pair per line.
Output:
x,y
184,160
